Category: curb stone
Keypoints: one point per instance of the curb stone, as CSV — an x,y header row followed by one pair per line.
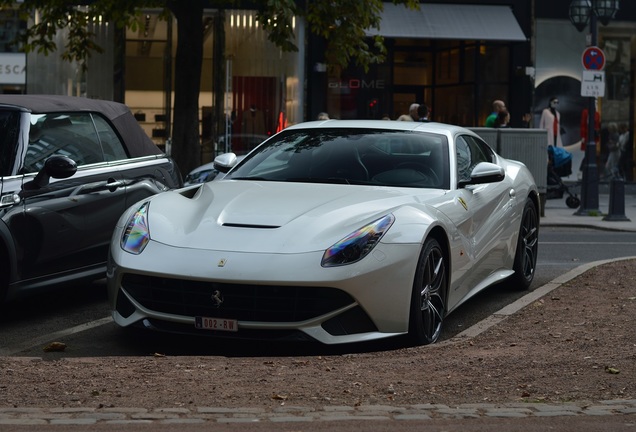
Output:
x,y
37,416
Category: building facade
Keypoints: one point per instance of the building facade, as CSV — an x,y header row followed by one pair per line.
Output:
x,y
455,56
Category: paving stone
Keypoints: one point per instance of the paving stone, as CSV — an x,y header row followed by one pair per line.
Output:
x,y
353,417
380,408
74,421
182,421
291,419
543,407
412,417
338,408
237,420
23,421
287,409
554,413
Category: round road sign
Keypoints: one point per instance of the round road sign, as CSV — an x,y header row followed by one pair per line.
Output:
x,y
593,58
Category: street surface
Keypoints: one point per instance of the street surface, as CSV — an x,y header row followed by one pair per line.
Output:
x,y
79,316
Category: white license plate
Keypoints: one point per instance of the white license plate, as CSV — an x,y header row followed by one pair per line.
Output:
x,y
220,324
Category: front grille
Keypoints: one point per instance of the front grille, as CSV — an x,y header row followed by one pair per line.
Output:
x,y
242,302
353,321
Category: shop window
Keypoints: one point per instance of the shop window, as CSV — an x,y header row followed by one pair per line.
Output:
x,y
455,105
470,55
447,64
494,61
412,68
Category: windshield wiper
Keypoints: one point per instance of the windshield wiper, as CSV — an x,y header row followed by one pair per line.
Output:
x,y
328,180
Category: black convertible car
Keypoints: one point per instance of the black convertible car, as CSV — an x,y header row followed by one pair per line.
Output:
x,y
69,167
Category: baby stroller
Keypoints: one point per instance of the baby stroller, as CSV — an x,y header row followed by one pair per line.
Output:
x,y
560,165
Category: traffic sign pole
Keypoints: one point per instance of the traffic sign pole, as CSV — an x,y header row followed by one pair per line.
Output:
x,y
589,186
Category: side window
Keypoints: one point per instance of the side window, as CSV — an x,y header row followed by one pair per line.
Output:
x,y
111,144
464,159
67,134
9,136
470,152
482,151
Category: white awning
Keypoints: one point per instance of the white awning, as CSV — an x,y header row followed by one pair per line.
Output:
x,y
446,21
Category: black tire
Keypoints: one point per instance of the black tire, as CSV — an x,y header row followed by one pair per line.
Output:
x,y
572,202
527,246
428,301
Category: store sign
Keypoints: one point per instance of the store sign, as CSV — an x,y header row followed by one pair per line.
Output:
x,y
12,68
593,83
357,84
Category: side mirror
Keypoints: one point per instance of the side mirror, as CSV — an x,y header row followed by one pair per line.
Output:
x,y
225,162
59,167
484,172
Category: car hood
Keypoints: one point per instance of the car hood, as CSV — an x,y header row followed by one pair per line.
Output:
x,y
272,217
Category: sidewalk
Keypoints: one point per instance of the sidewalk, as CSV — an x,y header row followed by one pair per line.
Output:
x,y
557,213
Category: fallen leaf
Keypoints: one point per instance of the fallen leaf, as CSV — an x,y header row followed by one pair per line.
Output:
x,y
55,346
611,370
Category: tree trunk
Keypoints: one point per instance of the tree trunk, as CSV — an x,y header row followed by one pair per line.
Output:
x,y
186,146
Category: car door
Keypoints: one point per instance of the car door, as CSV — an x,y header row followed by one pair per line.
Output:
x,y
489,212
142,176
66,224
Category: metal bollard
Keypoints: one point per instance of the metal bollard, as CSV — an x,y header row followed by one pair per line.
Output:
x,y
616,201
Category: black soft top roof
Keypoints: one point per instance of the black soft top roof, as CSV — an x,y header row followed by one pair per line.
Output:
x,y
135,139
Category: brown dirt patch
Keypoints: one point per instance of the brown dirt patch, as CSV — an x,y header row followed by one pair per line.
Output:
x,y
577,344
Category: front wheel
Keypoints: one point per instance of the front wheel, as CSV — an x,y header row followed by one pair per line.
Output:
x,y
428,301
527,245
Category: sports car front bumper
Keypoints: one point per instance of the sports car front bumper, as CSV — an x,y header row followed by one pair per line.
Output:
x,y
366,300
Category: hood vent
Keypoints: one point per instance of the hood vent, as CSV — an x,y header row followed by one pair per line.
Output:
x,y
238,225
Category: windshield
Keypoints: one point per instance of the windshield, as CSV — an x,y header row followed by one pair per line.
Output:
x,y
350,156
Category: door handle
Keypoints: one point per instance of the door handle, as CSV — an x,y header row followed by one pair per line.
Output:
x,y
112,184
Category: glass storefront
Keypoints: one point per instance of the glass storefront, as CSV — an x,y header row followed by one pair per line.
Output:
x,y
458,80
262,86
12,61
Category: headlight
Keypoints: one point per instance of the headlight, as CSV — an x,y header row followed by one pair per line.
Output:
x,y
358,244
136,235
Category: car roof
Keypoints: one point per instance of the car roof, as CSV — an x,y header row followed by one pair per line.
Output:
x,y
135,139
433,127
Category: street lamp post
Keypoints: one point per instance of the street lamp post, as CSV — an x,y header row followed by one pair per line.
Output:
x,y
582,12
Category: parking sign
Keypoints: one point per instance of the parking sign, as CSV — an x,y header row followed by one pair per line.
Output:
x,y
593,58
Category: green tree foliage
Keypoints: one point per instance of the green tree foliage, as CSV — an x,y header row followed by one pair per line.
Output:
x,y
341,23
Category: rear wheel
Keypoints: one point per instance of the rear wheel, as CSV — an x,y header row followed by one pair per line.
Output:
x,y
527,245
428,301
